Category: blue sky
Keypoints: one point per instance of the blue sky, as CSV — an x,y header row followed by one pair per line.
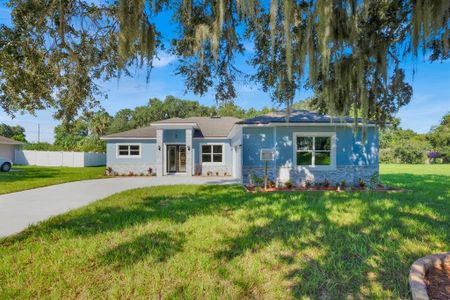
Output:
x,y
431,85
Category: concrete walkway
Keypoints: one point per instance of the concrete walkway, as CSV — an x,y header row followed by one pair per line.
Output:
x,y
21,209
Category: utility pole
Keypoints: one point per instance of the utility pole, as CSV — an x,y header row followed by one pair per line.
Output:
x,y
39,133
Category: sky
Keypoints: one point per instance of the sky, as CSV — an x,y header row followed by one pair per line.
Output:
x,y
430,82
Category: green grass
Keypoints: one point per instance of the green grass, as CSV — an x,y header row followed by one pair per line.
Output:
x,y
29,177
219,242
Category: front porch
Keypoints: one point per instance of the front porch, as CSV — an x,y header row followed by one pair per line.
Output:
x,y
174,149
180,153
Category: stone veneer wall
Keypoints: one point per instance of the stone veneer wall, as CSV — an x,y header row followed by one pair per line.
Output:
x,y
204,169
137,169
351,174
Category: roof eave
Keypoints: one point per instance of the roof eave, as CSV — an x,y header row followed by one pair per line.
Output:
x,y
106,138
308,124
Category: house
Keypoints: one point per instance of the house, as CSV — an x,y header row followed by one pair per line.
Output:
x,y
309,146
8,148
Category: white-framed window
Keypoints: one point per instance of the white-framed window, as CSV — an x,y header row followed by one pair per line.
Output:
x,y
129,150
212,153
315,150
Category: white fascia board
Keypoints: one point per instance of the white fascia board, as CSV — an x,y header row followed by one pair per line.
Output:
x,y
126,138
211,138
236,129
175,125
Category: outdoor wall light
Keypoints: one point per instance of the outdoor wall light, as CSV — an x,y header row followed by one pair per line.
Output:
x,y
189,148
159,147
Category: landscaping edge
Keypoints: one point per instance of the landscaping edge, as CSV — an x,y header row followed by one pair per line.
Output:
x,y
418,272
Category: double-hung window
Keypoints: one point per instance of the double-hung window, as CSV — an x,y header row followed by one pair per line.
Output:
x,y
314,150
212,153
128,150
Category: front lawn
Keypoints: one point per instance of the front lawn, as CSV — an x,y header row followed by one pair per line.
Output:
x,y
220,242
28,177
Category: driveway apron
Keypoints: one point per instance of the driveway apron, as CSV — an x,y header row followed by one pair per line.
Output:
x,y
21,209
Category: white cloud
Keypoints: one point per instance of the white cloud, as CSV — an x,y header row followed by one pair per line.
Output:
x,y
163,60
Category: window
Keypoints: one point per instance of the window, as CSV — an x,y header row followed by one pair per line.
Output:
x,y
212,153
314,150
129,150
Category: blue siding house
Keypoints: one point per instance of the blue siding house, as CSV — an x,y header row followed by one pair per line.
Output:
x,y
307,146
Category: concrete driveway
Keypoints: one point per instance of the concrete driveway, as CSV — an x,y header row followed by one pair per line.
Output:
x,y
21,209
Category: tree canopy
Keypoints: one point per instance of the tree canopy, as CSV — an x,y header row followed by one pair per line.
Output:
x,y
13,132
348,52
83,133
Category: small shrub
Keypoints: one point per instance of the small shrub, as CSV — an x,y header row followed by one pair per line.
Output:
x,y
326,183
308,184
361,183
150,171
343,183
130,173
271,184
288,184
258,180
217,173
109,171
374,180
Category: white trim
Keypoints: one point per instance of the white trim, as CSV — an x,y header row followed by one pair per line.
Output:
x,y
165,166
128,156
175,125
167,156
332,166
234,130
210,138
212,153
127,138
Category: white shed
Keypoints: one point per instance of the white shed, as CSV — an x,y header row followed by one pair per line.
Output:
x,y
8,147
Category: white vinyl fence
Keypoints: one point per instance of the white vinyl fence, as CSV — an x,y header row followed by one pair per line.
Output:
x,y
59,158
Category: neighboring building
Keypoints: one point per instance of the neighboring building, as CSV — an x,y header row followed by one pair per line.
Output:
x,y
8,147
309,147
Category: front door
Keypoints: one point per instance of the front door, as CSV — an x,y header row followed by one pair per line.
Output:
x,y
176,158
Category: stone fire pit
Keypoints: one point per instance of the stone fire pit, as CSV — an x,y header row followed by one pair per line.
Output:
x,y
418,273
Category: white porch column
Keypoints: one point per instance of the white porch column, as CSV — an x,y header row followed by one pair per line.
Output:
x,y
159,153
189,151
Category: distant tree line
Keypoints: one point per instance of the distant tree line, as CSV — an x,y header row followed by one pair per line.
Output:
x,y
399,145
83,134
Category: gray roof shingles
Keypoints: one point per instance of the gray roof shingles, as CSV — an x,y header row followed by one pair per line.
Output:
x,y
8,141
208,127
297,116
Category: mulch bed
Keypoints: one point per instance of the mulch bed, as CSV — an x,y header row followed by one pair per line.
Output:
x,y
437,280
379,188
